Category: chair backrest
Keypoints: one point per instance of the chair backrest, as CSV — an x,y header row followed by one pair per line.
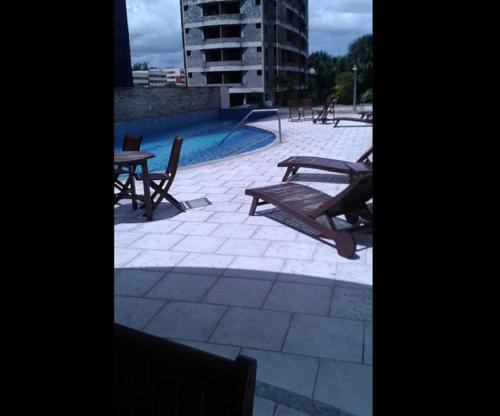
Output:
x,y
358,193
293,103
173,161
365,157
131,143
155,376
307,103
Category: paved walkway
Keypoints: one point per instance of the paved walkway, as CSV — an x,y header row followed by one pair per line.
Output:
x,y
264,286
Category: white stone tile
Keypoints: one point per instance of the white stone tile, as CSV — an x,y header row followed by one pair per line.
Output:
x,y
234,231
124,255
186,188
204,263
327,252
260,220
156,258
191,215
195,228
357,273
321,269
124,238
199,244
218,197
294,250
157,241
275,234
236,191
228,218
239,247
222,207
254,267
126,226
158,227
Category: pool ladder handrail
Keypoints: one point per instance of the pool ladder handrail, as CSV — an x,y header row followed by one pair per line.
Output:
x,y
248,115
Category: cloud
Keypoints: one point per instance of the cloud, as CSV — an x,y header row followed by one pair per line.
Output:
x,y
155,28
155,32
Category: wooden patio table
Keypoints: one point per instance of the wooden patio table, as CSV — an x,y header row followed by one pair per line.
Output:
x,y
134,158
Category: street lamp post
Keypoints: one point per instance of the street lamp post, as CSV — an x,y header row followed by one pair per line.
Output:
x,y
355,69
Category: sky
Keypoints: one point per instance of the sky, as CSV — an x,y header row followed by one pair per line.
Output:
x,y
155,28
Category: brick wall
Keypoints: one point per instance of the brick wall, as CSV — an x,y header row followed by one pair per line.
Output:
x,y
141,103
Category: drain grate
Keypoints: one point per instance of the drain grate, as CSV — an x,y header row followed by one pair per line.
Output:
x,y
197,203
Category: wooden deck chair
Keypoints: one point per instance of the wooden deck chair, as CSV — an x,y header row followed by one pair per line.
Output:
x,y
307,107
366,114
365,117
362,166
328,108
160,183
308,205
130,143
294,108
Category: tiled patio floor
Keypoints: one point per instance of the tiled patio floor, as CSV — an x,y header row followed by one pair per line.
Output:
x,y
264,286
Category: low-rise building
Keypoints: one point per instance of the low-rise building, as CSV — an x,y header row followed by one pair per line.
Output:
x,y
159,77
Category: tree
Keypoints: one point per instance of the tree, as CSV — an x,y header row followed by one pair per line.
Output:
x,y
141,66
286,85
323,80
343,88
328,70
361,53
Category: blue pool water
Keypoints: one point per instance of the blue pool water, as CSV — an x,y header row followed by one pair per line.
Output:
x,y
201,142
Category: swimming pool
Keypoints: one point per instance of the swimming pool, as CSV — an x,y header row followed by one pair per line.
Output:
x,y
201,140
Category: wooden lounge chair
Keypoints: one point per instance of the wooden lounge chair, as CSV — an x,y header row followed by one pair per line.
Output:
x,y
361,166
366,114
328,108
130,143
307,107
161,182
155,376
365,117
294,108
308,205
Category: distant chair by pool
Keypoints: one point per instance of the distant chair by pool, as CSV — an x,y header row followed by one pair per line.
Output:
x,y
161,182
360,166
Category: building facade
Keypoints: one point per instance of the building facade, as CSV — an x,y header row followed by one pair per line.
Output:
x,y
159,77
246,45
175,76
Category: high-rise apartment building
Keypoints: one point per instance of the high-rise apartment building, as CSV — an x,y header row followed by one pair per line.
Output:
x,y
246,45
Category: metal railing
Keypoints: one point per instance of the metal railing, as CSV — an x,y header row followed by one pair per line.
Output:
x,y
248,115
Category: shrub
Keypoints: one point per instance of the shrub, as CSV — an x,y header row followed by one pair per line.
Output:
x,y
367,96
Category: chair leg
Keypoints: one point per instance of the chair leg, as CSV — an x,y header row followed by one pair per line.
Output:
x,y
132,189
345,243
253,206
287,173
344,240
174,202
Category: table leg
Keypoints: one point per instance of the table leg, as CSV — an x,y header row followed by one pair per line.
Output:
x,y
147,193
132,187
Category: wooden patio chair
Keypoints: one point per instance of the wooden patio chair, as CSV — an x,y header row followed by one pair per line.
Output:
x,y
366,114
362,166
294,107
308,205
156,376
307,107
160,183
365,117
130,143
328,108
